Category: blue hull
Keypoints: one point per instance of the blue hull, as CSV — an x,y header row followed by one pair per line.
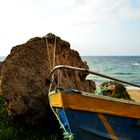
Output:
x,y
86,116
90,126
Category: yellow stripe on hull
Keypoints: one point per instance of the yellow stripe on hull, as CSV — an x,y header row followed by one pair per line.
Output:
x,y
92,104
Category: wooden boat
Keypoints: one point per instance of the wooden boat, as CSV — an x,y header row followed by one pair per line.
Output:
x,y
86,116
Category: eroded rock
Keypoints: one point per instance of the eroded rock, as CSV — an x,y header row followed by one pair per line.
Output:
x,y
0,75
25,74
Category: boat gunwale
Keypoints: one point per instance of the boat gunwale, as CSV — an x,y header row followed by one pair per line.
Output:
x,y
95,104
121,100
93,95
60,67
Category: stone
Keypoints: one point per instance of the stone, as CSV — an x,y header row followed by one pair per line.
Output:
x,y
25,76
0,67
0,75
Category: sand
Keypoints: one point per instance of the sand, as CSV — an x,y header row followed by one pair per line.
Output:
x,y
134,94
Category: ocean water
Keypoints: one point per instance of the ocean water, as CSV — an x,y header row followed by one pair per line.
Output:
x,y
2,58
122,67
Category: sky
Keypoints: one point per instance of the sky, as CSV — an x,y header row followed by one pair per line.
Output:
x,y
92,27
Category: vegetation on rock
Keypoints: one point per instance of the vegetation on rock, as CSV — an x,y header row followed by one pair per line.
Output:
x,y
113,89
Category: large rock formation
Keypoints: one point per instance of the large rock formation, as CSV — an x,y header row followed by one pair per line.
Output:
x,y
0,67
0,75
25,75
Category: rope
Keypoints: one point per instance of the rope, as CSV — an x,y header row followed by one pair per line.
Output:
x,y
54,52
48,51
47,45
67,135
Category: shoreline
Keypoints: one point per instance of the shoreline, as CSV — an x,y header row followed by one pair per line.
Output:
x,y
134,94
132,88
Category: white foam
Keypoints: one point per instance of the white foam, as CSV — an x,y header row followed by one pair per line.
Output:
x,y
134,88
136,64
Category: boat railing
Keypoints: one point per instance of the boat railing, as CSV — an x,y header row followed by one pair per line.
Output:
x,y
60,67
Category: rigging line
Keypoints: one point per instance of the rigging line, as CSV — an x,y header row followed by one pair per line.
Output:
x,y
54,50
67,135
47,45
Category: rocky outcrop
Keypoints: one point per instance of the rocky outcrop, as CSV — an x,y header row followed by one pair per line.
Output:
x,y
0,75
25,75
0,67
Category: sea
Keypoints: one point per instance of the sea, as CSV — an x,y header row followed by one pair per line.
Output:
x,y
122,67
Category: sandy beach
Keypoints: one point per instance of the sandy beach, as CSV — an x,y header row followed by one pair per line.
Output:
x,y
134,94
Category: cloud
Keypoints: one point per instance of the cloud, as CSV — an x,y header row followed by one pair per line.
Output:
x,y
97,12
78,21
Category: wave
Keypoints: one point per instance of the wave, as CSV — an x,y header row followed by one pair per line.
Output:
x,y
132,88
2,58
136,64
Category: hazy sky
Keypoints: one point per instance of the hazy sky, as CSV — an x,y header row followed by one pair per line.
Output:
x,y
93,27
